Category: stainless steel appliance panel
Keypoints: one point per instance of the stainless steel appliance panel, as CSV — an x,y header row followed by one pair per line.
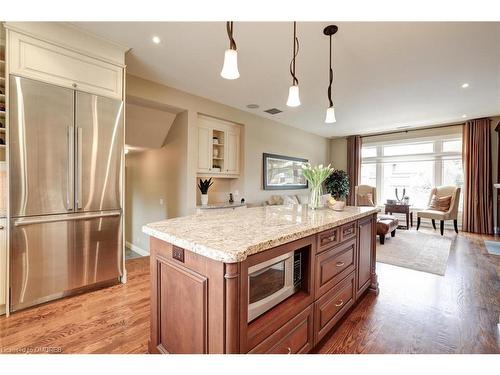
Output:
x,y
99,145
58,255
41,148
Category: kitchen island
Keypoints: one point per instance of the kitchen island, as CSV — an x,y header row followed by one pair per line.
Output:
x,y
204,284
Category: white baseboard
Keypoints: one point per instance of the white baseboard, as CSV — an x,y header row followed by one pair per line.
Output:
x,y
137,249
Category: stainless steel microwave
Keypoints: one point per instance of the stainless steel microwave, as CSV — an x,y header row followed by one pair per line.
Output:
x,y
273,281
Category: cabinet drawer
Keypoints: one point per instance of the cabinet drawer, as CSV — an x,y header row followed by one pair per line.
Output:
x,y
332,306
333,265
348,231
33,58
294,337
327,239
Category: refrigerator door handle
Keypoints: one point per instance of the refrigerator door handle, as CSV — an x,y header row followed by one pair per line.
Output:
x,y
54,218
71,162
79,167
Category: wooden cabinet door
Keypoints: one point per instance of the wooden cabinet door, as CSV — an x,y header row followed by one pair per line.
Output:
x,y
3,263
365,253
232,152
204,149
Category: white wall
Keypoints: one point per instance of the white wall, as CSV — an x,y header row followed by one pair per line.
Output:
x,y
177,159
259,135
153,176
146,127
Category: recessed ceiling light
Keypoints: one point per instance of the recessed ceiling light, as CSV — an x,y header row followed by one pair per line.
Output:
x,y
465,85
156,39
252,106
464,116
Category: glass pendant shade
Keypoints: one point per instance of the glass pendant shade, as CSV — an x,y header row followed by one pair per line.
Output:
x,y
330,115
293,96
230,67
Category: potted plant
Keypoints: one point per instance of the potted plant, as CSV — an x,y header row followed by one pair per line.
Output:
x,y
316,176
337,184
204,185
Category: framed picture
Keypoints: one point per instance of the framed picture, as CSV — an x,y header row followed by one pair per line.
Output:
x,y
283,172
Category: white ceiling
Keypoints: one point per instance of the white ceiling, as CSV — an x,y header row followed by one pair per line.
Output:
x,y
387,75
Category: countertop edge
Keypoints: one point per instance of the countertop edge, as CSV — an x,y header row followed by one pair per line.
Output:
x,y
241,255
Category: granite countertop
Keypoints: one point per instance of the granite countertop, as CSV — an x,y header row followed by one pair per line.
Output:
x,y
213,206
231,236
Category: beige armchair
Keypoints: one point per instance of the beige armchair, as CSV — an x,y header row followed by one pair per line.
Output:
x,y
451,214
362,190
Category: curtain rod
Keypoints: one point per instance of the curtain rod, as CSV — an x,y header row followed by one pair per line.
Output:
x,y
411,130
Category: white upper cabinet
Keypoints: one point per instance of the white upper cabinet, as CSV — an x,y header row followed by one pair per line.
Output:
x,y
32,55
218,147
204,149
233,151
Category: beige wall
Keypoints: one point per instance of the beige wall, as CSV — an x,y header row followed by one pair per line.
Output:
x,y
155,187
146,127
338,153
259,135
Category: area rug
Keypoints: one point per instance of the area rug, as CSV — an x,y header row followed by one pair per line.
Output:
x,y
492,247
426,252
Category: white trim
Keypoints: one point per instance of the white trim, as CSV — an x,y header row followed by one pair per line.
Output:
x,y
137,249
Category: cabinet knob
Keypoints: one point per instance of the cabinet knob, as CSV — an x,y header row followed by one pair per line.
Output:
x,y
288,350
74,85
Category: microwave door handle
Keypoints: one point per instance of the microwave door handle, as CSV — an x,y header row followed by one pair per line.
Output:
x,y
259,272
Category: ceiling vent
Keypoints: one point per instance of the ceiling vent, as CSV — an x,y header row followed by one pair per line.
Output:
x,y
273,111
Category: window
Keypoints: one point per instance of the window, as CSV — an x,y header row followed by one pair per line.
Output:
x,y
413,165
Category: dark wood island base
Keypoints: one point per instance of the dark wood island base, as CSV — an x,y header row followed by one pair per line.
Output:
x,y
200,305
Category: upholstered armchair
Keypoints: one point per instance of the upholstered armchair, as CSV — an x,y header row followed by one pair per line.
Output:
x,y
363,190
450,214
385,223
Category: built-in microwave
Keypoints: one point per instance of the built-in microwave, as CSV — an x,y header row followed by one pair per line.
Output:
x,y
272,281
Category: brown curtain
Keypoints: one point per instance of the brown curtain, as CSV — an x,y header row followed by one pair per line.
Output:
x,y
353,165
478,188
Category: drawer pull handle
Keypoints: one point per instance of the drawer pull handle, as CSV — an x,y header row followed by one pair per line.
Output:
x,y
289,350
340,264
340,303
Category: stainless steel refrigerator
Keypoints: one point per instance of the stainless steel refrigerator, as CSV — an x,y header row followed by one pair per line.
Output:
x,y
65,181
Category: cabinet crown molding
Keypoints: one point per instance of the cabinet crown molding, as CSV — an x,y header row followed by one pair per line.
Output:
x,y
68,36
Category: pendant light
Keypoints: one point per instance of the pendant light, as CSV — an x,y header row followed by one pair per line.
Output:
x,y
293,92
330,112
230,66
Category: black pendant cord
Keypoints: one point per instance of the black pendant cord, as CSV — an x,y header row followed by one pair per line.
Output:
x,y
331,76
295,81
229,28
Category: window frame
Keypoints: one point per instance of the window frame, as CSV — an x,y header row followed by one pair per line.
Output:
x,y
438,155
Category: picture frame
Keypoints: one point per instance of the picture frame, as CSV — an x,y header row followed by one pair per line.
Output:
x,y
283,172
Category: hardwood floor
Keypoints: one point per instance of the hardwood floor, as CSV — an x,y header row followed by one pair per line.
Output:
x,y
111,320
415,312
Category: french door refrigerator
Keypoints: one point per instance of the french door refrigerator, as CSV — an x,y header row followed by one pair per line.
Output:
x,y
65,160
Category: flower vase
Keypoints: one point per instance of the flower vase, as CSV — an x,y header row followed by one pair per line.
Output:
x,y
204,199
315,198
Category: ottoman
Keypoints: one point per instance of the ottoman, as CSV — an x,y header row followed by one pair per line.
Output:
x,y
386,224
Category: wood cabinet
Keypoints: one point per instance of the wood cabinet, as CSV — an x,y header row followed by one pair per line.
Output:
x,y
332,306
43,60
218,148
334,265
365,270
199,305
295,337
